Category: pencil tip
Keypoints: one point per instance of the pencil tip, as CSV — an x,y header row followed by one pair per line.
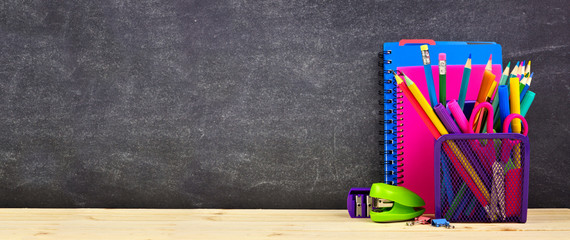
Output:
x,y
469,56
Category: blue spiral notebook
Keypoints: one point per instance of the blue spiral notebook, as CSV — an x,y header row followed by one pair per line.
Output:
x,y
407,146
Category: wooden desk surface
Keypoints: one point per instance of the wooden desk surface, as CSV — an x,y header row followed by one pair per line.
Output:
x,y
254,224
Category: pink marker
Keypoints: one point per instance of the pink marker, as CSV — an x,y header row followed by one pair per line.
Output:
x,y
460,118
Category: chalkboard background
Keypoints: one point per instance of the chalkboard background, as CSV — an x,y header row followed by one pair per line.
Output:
x,y
237,104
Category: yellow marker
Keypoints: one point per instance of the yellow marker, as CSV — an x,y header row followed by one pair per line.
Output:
x,y
515,103
425,106
491,91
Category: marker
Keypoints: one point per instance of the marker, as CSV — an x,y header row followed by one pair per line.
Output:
x,y
429,76
442,79
504,107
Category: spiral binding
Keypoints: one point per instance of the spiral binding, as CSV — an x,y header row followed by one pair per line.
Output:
x,y
391,145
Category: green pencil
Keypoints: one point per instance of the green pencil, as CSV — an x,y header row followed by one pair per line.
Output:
x,y
442,79
464,82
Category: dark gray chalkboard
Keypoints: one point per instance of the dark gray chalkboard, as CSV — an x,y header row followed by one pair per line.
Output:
x,y
237,104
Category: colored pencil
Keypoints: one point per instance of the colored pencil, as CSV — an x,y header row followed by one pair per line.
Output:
x,y
484,112
464,82
488,78
442,79
526,102
515,70
489,66
429,75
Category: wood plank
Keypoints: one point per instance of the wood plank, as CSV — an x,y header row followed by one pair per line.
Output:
x,y
252,224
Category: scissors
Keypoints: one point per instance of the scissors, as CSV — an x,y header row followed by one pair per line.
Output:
x,y
489,159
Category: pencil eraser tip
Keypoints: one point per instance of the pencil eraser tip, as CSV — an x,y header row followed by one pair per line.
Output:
x,y
424,47
442,56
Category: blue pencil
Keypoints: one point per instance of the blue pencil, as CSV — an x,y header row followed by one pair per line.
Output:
x,y
526,87
429,75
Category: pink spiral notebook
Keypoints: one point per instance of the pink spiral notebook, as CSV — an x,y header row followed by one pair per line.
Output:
x,y
417,152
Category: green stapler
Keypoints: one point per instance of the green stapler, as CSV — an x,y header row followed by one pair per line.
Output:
x,y
393,203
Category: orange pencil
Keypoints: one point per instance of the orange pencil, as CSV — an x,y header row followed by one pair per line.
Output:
x,y
488,78
484,112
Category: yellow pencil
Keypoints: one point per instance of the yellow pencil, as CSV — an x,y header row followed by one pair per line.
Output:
x,y
489,66
425,106
515,104
527,69
515,69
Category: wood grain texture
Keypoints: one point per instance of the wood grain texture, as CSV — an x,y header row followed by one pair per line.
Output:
x,y
253,224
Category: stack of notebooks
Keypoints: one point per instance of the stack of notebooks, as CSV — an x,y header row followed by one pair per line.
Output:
x,y
407,145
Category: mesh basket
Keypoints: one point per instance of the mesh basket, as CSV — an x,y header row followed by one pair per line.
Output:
x,y
481,177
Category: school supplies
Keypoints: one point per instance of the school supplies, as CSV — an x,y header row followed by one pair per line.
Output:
x,y
429,76
508,198
455,110
526,102
446,119
515,104
384,203
405,140
503,81
442,69
394,203
465,82
526,86
504,106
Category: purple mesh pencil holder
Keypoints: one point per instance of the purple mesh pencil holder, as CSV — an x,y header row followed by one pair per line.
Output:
x,y
482,177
